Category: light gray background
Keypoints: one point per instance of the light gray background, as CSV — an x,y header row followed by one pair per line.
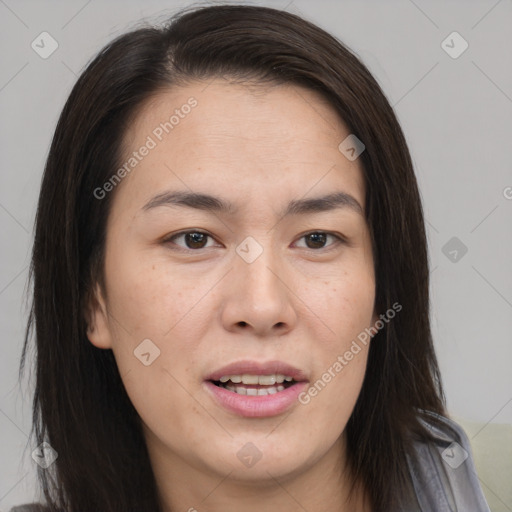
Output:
x,y
456,114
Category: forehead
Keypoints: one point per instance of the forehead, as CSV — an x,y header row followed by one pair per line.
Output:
x,y
220,134
274,109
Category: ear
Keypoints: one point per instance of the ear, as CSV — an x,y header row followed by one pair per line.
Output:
x,y
98,326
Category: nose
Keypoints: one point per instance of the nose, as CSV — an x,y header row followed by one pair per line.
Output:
x,y
259,298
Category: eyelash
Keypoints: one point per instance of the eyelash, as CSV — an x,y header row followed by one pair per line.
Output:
x,y
169,240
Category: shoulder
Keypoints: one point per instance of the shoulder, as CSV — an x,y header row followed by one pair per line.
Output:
x,y
442,468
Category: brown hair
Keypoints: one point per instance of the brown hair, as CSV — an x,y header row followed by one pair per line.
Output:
x,y
80,406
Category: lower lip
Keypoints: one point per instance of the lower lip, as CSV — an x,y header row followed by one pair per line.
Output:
x,y
256,406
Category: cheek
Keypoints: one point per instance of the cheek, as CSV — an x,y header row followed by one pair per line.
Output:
x,y
147,302
339,370
151,302
344,305
157,395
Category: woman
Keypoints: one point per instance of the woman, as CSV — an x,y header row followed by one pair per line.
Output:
x,y
231,283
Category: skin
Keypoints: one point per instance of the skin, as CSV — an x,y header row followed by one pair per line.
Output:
x,y
258,147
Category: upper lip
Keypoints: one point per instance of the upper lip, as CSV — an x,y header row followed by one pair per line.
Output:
x,y
258,368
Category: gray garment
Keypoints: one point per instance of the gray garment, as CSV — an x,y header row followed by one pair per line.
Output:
x,y
33,507
442,472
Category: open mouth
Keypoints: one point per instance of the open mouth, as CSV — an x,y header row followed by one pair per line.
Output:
x,y
254,385
256,391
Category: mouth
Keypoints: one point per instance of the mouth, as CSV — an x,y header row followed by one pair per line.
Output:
x,y
253,389
255,385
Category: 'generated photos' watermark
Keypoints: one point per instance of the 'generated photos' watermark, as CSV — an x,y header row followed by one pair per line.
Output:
x,y
344,359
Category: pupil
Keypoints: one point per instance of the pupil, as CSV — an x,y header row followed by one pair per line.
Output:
x,y
195,240
318,240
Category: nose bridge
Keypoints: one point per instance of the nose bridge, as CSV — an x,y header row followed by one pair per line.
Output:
x,y
257,264
258,295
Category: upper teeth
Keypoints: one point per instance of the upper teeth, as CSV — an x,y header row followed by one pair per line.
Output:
x,y
265,380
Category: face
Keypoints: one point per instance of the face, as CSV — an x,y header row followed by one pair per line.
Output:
x,y
261,277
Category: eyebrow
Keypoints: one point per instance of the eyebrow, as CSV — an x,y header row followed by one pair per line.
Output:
x,y
207,202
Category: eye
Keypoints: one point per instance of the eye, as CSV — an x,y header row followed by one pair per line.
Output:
x,y
318,239
192,239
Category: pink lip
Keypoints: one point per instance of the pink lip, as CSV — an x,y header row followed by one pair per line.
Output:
x,y
256,406
255,368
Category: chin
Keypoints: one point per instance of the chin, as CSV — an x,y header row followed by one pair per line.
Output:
x,y
261,461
